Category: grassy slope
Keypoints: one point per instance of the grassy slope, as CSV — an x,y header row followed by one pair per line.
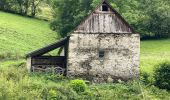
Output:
x,y
20,35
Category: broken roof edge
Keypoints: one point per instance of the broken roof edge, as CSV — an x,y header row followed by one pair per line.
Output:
x,y
48,48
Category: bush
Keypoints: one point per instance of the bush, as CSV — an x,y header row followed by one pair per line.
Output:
x,y
146,78
78,85
162,75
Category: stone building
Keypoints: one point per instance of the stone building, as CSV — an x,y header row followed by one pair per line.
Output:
x,y
102,48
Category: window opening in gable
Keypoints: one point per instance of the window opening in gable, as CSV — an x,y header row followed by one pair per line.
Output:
x,y
105,7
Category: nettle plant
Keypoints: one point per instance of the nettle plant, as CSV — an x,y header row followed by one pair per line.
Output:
x,y
78,85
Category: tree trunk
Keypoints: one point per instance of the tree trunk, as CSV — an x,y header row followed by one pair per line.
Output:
x,y
33,8
26,6
21,10
33,11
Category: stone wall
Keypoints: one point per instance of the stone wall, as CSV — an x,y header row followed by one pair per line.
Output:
x,y
120,61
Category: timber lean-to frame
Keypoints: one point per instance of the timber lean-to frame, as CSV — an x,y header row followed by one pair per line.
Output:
x,y
37,62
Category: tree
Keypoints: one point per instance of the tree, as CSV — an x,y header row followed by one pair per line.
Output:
x,y
158,12
150,18
20,6
6,5
34,5
68,14
23,6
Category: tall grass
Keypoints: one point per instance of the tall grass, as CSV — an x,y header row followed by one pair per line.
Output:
x,y
16,83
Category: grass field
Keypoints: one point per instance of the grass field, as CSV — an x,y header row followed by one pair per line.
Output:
x,y
154,52
20,35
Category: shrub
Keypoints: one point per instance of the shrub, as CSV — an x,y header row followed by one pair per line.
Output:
x,y
78,85
162,75
52,94
146,78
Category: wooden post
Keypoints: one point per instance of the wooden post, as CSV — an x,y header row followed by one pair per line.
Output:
x,y
66,56
29,64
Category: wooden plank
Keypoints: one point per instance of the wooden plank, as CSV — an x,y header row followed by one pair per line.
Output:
x,y
46,60
103,23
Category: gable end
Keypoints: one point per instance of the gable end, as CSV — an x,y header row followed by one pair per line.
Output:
x,y
104,19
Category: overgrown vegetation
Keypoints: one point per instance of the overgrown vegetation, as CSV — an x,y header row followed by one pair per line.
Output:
x,y
16,83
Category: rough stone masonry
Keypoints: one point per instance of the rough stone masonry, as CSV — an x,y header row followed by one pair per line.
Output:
x,y
104,48
120,61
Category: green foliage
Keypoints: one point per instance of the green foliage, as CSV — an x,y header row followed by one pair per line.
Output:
x,y
78,85
149,18
16,83
22,7
131,91
158,17
146,78
68,14
162,75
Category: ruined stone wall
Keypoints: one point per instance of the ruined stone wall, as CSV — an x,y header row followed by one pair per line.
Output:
x,y
120,61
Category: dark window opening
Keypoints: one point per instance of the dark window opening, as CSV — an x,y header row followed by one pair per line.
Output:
x,y
104,7
101,53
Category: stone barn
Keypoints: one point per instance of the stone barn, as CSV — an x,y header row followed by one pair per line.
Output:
x,y
102,48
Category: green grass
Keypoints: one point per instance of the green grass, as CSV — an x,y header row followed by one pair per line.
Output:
x,y
20,35
154,52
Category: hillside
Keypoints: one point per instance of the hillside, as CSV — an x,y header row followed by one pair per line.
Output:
x,y
20,35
